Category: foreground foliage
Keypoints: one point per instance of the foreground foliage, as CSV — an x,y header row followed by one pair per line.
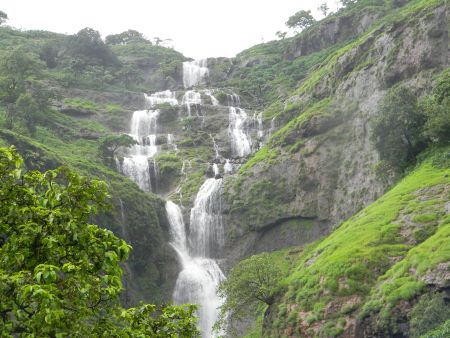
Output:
x,y
59,274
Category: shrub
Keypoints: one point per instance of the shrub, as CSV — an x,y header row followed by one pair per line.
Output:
x,y
397,130
430,312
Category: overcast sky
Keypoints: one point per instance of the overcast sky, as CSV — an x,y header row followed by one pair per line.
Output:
x,y
198,28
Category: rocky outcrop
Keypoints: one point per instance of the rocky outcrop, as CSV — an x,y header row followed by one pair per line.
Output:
x,y
322,165
331,31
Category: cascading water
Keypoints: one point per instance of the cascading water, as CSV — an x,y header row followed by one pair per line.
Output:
x,y
200,246
166,96
206,228
194,72
197,282
240,142
192,98
214,101
135,164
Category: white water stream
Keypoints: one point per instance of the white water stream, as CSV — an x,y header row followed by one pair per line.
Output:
x,y
194,72
199,245
197,282
135,164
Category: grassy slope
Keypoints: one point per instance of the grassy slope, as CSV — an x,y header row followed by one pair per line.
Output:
x,y
367,259
64,140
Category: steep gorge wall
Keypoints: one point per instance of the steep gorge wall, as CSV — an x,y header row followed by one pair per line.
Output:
x,y
321,165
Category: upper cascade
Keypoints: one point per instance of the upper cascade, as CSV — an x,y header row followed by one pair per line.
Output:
x,y
135,164
194,72
166,96
241,145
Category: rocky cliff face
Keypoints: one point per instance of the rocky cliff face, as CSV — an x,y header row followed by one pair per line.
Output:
x,y
332,31
320,165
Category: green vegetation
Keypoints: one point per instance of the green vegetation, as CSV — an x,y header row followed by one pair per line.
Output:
x,y
251,281
59,274
109,145
301,19
440,332
84,60
397,128
264,155
404,125
3,17
271,77
437,110
252,284
356,258
430,312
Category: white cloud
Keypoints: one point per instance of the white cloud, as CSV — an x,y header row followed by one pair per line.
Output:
x,y
198,28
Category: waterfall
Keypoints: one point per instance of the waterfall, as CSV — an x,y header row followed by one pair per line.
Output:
x,y
197,282
135,164
240,142
177,231
194,72
214,101
166,96
215,146
138,170
233,100
228,168
171,143
191,98
199,245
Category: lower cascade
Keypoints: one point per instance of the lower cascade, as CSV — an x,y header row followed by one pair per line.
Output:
x,y
200,276
197,282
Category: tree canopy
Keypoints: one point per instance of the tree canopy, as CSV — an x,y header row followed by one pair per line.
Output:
x,y
437,110
250,282
16,66
88,45
301,19
323,8
124,38
60,275
397,130
111,143
3,17
24,97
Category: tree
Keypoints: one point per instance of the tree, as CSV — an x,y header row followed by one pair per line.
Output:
x,y
301,19
281,35
27,109
250,282
3,17
129,74
127,37
88,45
346,3
429,312
110,144
323,8
437,110
59,274
15,68
49,53
397,130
